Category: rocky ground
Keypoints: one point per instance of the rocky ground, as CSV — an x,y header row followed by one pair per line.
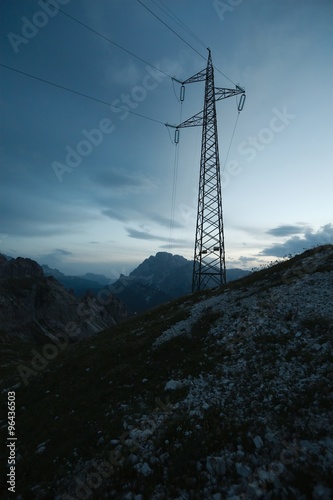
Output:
x,y
225,394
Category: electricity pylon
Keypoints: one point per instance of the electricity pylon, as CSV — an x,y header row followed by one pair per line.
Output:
x,y
209,251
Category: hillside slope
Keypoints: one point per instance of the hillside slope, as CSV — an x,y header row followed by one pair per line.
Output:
x,y
226,394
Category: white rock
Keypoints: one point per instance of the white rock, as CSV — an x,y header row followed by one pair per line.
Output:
x,y
320,492
133,458
144,469
243,470
258,442
172,385
217,496
216,466
41,448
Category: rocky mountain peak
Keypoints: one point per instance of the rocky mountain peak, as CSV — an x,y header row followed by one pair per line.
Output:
x,y
34,307
161,263
20,268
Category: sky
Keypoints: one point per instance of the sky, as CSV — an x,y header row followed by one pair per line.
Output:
x,y
98,185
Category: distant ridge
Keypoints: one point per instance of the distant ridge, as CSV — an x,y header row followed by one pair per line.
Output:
x,y
79,285
98,278
159,279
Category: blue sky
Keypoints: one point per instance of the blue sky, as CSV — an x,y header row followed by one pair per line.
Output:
x,y
89,187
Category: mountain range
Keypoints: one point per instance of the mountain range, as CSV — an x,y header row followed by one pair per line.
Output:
x,y
158,279
79,285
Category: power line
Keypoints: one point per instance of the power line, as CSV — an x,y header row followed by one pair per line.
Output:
x,y
176,19
174,182
179,36
111,41
179,22
173,31
231,140
80,93
138,57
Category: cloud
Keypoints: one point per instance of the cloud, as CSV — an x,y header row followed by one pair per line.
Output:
x,y
61,251
121,182
146,235
128,75
170,246
114,214
34,210
245,260
165,221
297,245
54,258
287,230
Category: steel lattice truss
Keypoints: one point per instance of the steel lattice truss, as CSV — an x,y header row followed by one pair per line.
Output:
x,y
209,253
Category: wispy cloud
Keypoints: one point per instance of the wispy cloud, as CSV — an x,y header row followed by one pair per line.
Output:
x,y
126,76
165,221
288,230
147,235
55,258
121,182
144,235
171,246
115,214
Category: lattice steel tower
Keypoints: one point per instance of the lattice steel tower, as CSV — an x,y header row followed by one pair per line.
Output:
x,y
209,252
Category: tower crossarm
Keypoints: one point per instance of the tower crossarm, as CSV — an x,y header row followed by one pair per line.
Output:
x,y
194,121
221,93
198,77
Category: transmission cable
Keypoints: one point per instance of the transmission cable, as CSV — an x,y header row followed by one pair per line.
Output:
x,y
80,93
173,31
111,41
188,44
176,19
132,53
231,140
174,183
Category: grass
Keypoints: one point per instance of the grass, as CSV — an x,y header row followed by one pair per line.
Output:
x,y
317,323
